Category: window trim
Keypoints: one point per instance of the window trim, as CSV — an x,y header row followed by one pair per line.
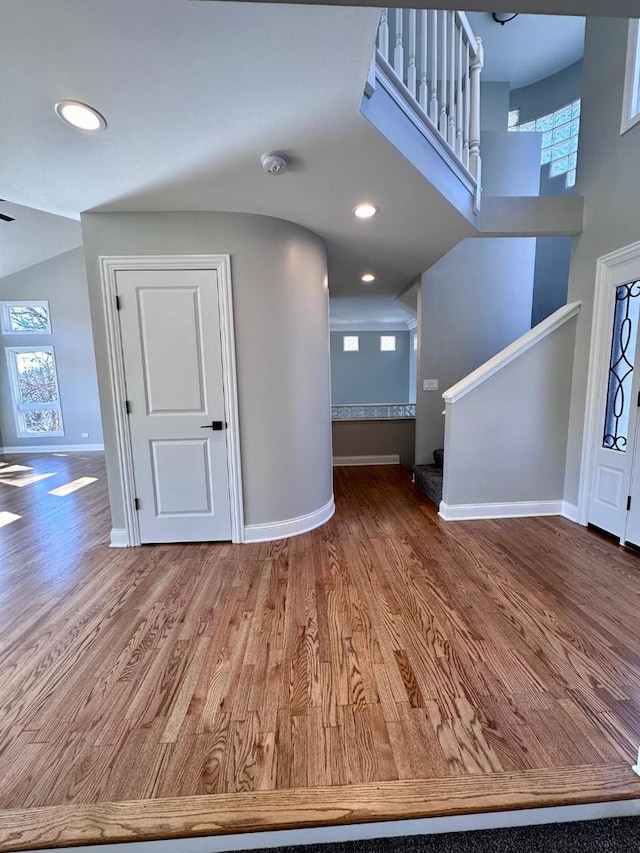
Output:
x,y
5,316
20,408
631,95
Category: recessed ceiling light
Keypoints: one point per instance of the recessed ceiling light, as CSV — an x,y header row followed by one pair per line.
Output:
x,y
80,115
368,277
365,210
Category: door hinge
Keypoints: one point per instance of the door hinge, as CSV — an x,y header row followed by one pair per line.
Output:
x,y
628,503
639,398
137,505
127,407
118,303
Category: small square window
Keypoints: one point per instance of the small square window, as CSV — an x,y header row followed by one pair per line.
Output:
x,y
26,318
350,343
415,341
514,119
387,343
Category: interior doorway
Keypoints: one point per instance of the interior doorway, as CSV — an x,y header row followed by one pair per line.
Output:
x,y
172,357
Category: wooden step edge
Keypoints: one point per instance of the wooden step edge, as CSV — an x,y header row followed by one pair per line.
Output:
x,y
297,808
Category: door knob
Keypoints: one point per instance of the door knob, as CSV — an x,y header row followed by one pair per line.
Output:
x,y
217,425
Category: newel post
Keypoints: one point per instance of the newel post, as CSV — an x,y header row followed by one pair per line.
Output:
x,y
474,130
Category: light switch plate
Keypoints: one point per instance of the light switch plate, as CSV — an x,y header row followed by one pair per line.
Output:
x,y
429,384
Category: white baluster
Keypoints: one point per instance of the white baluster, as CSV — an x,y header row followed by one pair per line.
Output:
x,y
474,131
459,104
451,134
433,40
442,126
398,51
467,108
423,88
411,70
383,34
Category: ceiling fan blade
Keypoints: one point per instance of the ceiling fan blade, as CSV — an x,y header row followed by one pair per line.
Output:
x,y
7,218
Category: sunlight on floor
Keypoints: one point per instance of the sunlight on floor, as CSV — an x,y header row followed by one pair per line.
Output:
x,y
61,491
7,518
25,481
11,469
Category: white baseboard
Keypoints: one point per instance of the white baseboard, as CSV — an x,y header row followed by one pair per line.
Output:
x,y
272,839
53,448
392,459
291,526
119,538
570,511
515,509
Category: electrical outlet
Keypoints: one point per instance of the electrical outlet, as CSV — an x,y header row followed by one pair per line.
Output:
x,y
429,384
85,435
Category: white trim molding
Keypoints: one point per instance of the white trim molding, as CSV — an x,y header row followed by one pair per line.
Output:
x,y
610,269
291,526
513,509
109,267
508,354
390,459
119,538
570,511
631,95
54,448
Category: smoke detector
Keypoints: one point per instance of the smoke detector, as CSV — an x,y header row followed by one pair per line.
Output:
x,y
274,163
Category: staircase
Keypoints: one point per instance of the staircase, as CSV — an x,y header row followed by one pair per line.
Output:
x,y
428,478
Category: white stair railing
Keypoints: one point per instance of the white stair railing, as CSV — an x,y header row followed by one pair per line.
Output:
x,y
438,60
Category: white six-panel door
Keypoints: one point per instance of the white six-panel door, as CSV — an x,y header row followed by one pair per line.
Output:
x,y
170,329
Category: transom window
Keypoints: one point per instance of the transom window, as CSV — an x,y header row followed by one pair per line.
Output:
x,y
559,131
631,99
33,380
350,343
26,318
387,343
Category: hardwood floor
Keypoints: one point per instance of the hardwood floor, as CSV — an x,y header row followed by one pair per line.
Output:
x,y
386,665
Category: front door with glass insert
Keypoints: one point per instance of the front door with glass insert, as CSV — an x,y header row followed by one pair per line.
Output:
x,y
611,505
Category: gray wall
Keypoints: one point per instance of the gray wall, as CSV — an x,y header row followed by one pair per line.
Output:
x,y
62,281
370,376
475,301
553,254
494,106
492,456
280,296
376,438
609,180
549,94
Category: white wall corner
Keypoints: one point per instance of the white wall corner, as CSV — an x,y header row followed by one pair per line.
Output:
x,y
391,459
290,526
514,509
119,538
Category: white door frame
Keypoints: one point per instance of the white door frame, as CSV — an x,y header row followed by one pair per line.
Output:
x,y
599,357
109,266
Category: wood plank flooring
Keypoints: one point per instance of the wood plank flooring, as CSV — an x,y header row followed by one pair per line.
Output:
x,y
389,662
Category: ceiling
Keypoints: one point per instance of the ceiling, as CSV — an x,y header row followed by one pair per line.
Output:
x,y
193,93
34,236
528,48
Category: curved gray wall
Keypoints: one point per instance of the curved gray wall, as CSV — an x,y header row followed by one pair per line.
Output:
x,y
280,299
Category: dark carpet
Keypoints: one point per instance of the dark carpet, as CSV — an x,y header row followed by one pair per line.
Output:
x,y
610,835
